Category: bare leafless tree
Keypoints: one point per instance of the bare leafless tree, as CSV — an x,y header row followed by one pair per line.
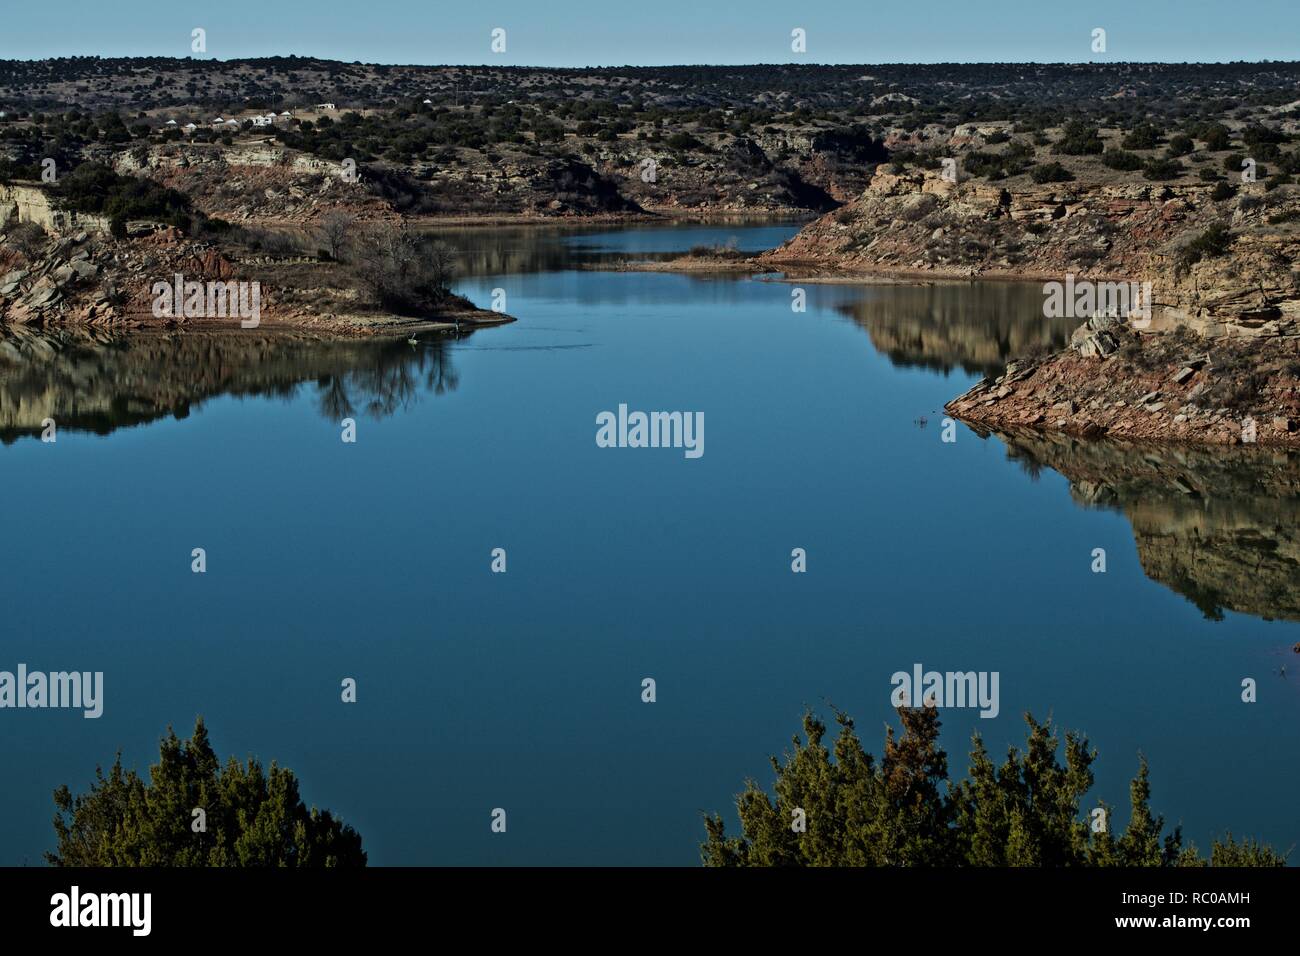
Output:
x,y
402,270
440,262
335,231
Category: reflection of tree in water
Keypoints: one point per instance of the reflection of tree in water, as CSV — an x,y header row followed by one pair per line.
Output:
x,y
98,381
391,382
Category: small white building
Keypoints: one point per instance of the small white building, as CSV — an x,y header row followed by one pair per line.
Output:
x,y
189,128
171,123
325,106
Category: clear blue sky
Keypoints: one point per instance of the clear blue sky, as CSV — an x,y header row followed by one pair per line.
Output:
x,y
617,32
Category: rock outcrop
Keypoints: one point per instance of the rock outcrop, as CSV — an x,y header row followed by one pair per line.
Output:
x,y
32,202
1211,355
918,224
98,281
1176,386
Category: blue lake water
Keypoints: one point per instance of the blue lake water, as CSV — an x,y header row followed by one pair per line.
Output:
x,y
522,690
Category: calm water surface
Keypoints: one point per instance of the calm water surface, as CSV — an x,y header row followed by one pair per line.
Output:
x,y
479,690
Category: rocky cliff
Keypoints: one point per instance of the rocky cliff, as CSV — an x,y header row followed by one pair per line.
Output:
x,y
767,174
251,183
1216,358
916,223
1177,386
100,281
21,202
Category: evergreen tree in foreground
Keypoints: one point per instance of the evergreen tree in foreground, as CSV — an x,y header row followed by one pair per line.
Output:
x,y
904,811
252,817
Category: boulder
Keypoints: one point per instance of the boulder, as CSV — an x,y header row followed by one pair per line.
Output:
x,y
43,293
143,227
1095,337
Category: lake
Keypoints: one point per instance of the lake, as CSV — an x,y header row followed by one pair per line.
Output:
x,y
523,690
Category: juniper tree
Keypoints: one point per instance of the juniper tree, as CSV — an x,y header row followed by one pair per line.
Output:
x,y
1027,812
905,811
251,816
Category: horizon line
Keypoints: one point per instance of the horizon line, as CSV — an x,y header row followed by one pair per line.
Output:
x,y
615,66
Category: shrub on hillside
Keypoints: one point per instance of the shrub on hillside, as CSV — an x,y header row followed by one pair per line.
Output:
x,y
1050,173
1222,191
1162,169
96,189
1122,160
1210,244
1079,139
1142,136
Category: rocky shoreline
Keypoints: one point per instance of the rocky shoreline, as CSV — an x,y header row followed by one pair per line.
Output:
x,y
1166,383
1216,362
93,280
1214,357
1153,387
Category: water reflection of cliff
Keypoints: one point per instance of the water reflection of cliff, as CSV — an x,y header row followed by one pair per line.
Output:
x,y
514,250
99,382
1219,526
977,327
